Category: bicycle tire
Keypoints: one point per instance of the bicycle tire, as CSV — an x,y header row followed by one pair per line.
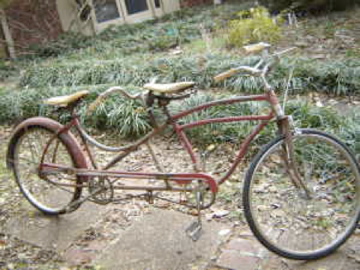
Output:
x,y
335,187
24,156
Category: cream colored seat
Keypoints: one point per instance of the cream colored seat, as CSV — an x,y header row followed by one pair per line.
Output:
x,y
169,88
64,101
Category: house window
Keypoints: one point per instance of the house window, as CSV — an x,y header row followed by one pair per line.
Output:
x,y
106,10
157,3
135,6
84,10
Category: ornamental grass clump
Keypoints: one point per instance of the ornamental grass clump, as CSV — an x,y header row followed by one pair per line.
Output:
x,y
128,119
337,78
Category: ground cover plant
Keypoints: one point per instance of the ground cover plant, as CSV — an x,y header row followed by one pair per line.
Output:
x,y
308,5
127,118
340,77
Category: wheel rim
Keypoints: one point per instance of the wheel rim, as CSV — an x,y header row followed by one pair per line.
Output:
x,y
49,194
292,223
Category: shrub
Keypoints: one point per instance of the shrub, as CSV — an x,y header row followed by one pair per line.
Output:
x,y
307,5
253,26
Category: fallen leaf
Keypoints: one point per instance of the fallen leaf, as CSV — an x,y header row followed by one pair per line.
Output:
x,y
319,104
221,213
224,232
210,147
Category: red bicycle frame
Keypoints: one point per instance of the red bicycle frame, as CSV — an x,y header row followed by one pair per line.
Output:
x,y
179,178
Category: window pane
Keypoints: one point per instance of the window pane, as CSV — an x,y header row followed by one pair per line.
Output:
x,y
157,3
135,6
106,10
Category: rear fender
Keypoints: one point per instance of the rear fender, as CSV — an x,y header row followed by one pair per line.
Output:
x,y
67,137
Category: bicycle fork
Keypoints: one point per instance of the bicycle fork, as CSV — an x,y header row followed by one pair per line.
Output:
x,y
286,128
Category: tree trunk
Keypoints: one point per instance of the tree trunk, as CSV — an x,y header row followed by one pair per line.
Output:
x,y
7,34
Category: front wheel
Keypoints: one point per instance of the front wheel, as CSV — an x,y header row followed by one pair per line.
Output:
x,y
286,219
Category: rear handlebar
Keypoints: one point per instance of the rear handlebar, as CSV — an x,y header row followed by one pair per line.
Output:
x,y
109,91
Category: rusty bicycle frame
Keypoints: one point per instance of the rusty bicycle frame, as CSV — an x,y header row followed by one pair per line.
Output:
x,y
182,180
179,178
180,131
45,155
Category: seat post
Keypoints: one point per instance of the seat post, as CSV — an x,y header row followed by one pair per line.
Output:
x,y
71,107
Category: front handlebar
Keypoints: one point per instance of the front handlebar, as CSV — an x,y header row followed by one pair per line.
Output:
x,y
249,70
255,71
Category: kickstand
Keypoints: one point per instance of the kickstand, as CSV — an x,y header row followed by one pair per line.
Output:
x,y
194,231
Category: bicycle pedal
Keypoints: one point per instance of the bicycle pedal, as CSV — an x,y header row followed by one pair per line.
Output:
x,y
194,231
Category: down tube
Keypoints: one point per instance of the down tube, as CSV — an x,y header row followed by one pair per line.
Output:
x,y
243,148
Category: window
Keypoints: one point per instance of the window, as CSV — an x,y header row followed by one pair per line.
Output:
x,y
106,10
135,6
157,3
84,10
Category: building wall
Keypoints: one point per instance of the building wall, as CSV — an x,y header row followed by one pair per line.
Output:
x,y
40,21
32,22
171,5
67,13
67,10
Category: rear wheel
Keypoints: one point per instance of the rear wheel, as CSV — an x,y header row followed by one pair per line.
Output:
x,y
51,193
283,217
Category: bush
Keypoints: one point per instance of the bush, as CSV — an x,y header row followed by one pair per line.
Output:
x,y
254,26
307,5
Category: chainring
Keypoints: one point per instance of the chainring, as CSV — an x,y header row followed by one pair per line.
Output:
x,y
102,189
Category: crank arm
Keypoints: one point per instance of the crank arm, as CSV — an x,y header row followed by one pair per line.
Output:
x,y
80,201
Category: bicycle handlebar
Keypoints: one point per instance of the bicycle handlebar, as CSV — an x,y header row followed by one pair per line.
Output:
x,y
254,48
254,71
226,74
108,92
250,70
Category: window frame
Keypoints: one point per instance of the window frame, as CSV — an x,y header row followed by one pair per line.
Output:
x,y
151,13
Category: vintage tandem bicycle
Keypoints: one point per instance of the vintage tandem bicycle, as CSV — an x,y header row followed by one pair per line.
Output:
x,y
301,193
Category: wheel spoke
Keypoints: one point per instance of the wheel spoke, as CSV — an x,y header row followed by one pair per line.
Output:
x,y
49,194
312,226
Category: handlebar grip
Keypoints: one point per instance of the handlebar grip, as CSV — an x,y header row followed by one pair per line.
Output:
x,y
226,74
95,104
258,47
